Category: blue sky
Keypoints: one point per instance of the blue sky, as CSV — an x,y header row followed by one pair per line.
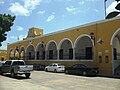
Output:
x,y
51,15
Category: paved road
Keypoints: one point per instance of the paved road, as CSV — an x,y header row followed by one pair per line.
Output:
x,y
41,80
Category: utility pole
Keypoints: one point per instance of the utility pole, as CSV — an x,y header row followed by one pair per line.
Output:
x,y
105,7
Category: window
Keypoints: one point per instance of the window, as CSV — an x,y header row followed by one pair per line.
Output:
x,y
8,63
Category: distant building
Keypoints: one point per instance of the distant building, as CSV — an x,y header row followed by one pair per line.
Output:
x,y
96,44
3,55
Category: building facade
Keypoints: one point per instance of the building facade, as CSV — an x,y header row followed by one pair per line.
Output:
x,y
3,55
96,44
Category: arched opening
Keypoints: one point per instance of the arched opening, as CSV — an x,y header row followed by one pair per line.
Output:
x,y
22,53
2,59
84,48
11,54
40,51
66,49
115,42
16,54
30,52
51,50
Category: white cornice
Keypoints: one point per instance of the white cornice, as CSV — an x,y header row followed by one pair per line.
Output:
x,y
69,29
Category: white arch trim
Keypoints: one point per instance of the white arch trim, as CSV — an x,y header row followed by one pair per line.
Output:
x,y
21,48
47,45
30,45
9,52
37,46
60,43
81,36
116,32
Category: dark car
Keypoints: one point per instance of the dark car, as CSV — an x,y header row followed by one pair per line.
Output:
x,y
38,67
81,69
1,64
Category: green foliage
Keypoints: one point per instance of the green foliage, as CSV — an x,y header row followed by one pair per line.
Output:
x,y
117,0
6,21
114,13
118,7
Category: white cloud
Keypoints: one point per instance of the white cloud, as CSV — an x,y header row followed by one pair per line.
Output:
x,y
2,2
72,10
14,37
111,7
81,2
22,36
31,4
41,12
50,18
19,28
91,0
96,10
18,9
25,9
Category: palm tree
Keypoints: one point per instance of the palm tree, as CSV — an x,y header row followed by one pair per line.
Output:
x,y
114,13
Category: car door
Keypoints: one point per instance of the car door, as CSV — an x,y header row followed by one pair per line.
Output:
x,y
7,66
75,69
50,67
54,67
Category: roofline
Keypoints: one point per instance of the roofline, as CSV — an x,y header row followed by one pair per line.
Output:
x,y
69,29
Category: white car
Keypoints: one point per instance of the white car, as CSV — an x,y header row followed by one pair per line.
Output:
x,y
55,67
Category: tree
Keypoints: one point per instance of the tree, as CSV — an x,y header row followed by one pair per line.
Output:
x,y
6,21
114,13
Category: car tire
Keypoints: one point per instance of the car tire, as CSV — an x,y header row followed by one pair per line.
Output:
x,y
84,73
12,74
0,72
55,70
27,75
66,71
46,70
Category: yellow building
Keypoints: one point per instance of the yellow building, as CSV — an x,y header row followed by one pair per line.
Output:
x,y
3,55
96,44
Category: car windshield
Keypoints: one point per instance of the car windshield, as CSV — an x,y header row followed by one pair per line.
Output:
x,y
18,63
60,65
1,63
80,65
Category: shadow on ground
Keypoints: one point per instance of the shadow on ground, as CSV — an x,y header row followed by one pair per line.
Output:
x,y
19,77
110,76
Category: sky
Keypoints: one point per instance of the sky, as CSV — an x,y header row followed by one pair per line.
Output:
x,y
51,15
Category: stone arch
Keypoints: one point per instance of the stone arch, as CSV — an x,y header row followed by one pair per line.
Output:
x,y
22,52
51,50
65,49
40,51
115,43
84,48
30,52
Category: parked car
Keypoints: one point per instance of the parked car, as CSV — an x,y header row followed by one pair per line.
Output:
x,y
81,69
1,64
55,67
38,67
17,67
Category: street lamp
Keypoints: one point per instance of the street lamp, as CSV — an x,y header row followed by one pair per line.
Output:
x,y
92,37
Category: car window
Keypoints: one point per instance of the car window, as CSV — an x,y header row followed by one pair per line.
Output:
x,y
60,65
50,65
8,62
54,65
18,63
79,66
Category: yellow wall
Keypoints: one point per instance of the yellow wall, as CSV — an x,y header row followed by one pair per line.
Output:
x,y
103,30
3,54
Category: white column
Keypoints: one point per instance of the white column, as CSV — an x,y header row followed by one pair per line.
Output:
x,y
58,54
35,55
73,53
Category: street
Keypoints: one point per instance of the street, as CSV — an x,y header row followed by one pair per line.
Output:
x,y
41,80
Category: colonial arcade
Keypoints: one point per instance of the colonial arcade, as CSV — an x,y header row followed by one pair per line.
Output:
x,y
96,44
